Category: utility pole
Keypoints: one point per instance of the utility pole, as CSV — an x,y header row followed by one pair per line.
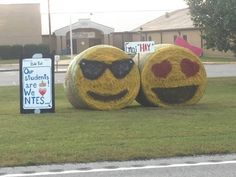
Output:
x,y
71,40
49,27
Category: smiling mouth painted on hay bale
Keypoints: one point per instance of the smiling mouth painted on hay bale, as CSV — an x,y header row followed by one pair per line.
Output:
x,y
107,97
175,95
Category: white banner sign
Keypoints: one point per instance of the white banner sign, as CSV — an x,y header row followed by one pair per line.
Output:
x,y
139,47
37,83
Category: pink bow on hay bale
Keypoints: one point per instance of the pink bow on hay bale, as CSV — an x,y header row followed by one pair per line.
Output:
x,y
181,42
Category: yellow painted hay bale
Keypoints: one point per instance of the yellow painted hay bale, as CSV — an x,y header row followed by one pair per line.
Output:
x,y
170,76
102,77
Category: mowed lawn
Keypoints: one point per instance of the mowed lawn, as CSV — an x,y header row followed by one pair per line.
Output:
x,y
137,132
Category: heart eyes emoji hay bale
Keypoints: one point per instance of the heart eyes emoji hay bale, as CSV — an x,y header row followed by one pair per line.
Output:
x,y
170,76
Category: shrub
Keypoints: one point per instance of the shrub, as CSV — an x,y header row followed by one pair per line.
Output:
x,y
27,51
31,49
5,51
16,51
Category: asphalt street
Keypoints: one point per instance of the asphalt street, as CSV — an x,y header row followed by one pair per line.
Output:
x,y
213,70
199,166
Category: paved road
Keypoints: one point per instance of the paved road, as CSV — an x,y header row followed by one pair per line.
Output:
x,y
200,166
220,70
213,70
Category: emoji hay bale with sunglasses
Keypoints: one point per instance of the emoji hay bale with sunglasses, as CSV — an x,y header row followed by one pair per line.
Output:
x,y
102,77
170,76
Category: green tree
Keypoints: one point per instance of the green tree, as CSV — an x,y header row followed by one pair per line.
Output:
x,y
217,20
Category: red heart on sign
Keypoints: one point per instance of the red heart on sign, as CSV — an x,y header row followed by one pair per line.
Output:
x,y
189,68
162,69
42,91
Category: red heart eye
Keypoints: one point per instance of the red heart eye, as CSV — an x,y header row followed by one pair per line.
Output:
x,y
162,69
189,68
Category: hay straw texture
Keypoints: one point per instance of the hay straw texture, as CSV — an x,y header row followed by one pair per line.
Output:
x,y
95,79
170,76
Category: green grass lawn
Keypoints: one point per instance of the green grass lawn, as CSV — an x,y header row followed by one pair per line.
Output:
x,y
12,61
137,132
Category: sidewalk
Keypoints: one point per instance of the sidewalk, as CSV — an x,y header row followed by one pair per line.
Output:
x,y
61,66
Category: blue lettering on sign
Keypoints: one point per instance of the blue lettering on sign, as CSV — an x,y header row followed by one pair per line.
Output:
x,y
131,49
30,85
28,71
36,77
34,100
29,92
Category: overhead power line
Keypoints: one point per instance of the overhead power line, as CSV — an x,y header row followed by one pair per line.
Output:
x,y
111,11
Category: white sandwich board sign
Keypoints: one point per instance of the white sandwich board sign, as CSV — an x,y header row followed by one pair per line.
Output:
x,y
37,85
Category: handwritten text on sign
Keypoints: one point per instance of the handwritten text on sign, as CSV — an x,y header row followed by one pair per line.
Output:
x,y
37,83
139,47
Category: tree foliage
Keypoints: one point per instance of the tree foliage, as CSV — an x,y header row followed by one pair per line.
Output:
x,y
217,20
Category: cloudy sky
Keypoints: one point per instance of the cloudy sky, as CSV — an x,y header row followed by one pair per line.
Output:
x,y
123,15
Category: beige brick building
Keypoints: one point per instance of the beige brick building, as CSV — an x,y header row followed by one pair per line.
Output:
x,y
166,29
85,33
20,24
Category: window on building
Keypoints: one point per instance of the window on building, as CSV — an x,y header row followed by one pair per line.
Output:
x,y
185,37
175,37
149,38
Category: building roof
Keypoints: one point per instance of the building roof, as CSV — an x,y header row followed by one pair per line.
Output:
x,y
82,24
179,19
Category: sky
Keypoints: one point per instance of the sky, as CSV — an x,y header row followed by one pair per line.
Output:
x,y
122,15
